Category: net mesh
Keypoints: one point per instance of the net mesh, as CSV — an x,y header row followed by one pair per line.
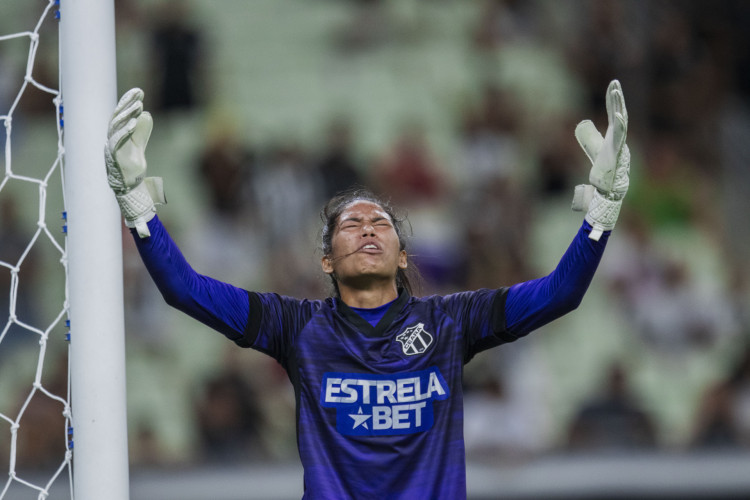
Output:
x,y
36,438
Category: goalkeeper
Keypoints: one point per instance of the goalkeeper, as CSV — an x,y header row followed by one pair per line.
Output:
x,y
376,371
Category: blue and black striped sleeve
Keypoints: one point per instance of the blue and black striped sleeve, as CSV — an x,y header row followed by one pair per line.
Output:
x,y
218,305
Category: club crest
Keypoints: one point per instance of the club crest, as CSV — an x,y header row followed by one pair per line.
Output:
x,y
415,340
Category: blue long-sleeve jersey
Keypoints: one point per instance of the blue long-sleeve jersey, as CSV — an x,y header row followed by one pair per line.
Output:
x,y
379,407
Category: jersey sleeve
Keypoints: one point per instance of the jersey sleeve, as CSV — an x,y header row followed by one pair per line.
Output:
x,y
274,323
218,305
480,317
534,303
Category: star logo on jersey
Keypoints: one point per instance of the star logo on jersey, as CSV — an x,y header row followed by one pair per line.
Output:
x,y
360,419
415,340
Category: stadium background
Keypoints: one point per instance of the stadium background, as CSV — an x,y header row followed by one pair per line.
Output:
x,y
463,112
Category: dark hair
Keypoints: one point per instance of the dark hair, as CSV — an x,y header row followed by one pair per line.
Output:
x,y
405,278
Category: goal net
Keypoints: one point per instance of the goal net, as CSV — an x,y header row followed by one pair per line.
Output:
x,y
34,399
51,375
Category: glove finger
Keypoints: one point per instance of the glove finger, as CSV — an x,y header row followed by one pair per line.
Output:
x,y
124,116
144,125
619,132
611,101
129,97
620,123
121,135
620,102
589,138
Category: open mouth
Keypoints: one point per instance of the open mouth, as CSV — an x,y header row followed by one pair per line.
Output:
x,y
370,247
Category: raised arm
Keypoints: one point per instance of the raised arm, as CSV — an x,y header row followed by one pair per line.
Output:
x,y
218,305
534,303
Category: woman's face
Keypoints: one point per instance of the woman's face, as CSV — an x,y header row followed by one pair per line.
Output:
x,y
364,246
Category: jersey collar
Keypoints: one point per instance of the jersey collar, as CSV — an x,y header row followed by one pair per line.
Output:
x,y
362,324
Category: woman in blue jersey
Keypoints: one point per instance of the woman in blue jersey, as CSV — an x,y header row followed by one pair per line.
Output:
x,y
377,372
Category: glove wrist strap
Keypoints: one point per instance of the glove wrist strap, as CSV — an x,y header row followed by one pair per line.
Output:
x,y
602,214
137,209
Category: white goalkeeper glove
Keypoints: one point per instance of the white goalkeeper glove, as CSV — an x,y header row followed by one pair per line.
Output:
x,y
610,159
125,159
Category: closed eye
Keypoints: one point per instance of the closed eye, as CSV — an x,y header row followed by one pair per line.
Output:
x,y
355,223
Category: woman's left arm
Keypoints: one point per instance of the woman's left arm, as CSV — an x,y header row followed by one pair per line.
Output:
x,y
534,303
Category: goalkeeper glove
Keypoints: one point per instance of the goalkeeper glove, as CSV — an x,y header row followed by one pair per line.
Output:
x,y
125,159
610,159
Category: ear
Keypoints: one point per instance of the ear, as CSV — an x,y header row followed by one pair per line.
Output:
x,y
402,260
326,264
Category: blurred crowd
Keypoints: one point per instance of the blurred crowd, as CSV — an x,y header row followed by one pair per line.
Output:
x,y
658,355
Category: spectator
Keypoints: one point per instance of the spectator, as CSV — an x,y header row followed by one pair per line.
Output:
x,y
337,166
229,419
489,142
675,316
408,173
559,162
496,217
226,167
287,193
503,21
487,402
723,419
177,48
612,421
717,425
672,193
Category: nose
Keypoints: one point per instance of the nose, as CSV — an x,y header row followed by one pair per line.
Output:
x,y
367,229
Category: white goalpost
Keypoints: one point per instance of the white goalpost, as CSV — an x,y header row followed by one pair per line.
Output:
x,y
95,453
95,283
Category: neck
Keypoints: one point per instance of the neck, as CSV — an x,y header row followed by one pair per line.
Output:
x,y
368,298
